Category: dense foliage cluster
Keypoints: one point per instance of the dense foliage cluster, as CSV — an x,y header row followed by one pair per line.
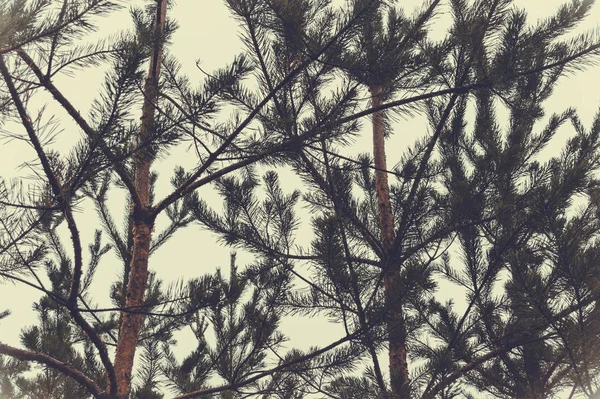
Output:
x,y
474,204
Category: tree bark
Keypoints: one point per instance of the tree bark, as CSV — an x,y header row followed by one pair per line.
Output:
x,y
143,219
131,322
395,319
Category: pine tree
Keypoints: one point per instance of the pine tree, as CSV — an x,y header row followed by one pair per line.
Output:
x,y
381,244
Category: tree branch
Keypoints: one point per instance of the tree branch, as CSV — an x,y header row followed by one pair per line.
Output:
x,y
265,373
51,362
81,122
65,206
184,188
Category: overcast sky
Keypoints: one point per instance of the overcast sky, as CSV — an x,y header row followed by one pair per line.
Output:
x,y
207,32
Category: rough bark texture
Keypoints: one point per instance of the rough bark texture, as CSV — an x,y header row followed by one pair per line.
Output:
x,y
131,322
143,219
395,319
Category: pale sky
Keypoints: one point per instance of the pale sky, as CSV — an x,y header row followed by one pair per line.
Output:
x,y
208,33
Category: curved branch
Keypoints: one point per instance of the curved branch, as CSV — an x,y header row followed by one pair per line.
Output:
x,y
55,364
57,191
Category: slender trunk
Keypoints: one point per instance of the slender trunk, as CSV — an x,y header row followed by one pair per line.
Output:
x,y
386,219
143,219
131,322
395,318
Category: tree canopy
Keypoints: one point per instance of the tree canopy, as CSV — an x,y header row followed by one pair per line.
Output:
x,y
475,206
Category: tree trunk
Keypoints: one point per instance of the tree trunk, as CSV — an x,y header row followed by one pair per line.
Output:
x,y
143,219
131,322
395,318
